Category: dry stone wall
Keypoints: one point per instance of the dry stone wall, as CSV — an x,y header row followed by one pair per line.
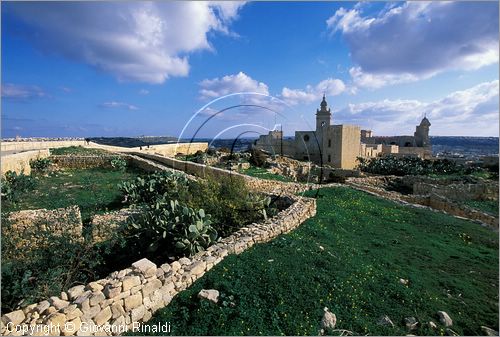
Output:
x,y
459,192
124,299
83,162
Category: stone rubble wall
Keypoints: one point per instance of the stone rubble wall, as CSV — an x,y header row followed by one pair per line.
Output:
x,y
20,162
83,162
29,224
134,294
170,150
104,225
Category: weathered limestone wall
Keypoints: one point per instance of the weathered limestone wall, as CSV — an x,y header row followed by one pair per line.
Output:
x,y
20,162
103,226
40,145
169,150
200,170
112,305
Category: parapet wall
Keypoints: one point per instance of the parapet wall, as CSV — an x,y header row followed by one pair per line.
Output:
x,y
169,150
39,145
112,305
20,162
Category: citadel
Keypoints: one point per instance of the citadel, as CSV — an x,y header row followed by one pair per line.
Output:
x,y
339,146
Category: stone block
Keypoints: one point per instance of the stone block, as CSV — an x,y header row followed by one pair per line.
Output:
x,y
103,316
129,282
117,310
14,317
110,291
151,286
138,313
146,267
76,291
97,298
133,301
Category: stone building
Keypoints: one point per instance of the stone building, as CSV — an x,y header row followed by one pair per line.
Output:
x,y
339,146
332,145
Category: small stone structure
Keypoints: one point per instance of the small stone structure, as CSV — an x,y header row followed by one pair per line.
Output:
x,y
104,225
30,223
126,298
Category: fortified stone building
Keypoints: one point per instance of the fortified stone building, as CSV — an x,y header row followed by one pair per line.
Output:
x,y
338,146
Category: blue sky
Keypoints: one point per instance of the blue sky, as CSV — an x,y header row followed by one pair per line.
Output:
x,y
146,68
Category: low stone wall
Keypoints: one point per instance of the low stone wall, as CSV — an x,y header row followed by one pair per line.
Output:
x,y
20,162
28,225
83,162
39,145
128,297
201,170
104,225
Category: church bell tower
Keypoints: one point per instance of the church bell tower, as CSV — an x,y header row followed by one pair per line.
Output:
x,y
323,116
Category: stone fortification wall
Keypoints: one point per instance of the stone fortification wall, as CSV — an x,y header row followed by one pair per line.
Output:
x,y
20,162
39,145
169,150
130,296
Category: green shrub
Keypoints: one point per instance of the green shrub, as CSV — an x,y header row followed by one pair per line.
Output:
x,y
32,272
40,165
159,185
230,203
14,184
401,166
119,164
175,228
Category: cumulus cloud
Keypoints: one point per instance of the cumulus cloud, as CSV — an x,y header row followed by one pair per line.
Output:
x,y
21,92
330,86
133,41
229,84
470,112
417,40
118,105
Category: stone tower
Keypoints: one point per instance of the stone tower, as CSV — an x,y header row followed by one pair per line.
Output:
x,y
323,116
422,133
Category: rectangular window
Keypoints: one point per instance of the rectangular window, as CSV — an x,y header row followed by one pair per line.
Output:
x,y
329,143
329,158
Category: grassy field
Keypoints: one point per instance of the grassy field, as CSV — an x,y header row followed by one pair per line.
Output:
x,y
78,151
94,190
488,206
350,258
262,173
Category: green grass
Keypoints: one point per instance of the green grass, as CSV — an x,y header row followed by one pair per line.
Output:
x,y
77,151
94,190
488,206
349,258
262,173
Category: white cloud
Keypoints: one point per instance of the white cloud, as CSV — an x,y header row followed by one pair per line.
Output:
x,y
470,112
330,86
143,92
119,105
417,40
21,92
230,84
133,41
